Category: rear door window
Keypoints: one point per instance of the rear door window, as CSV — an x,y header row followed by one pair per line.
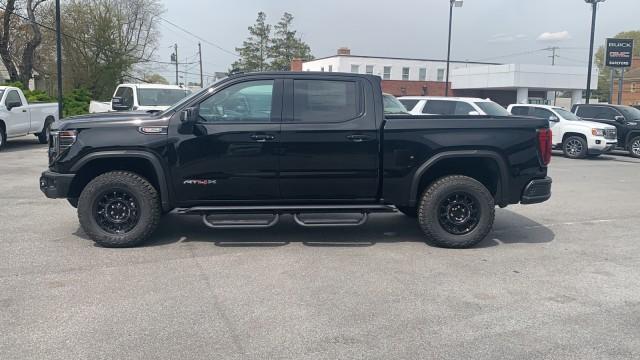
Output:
x,y
439,107
326,101
409,104
588,112
520,110
462,108
541,113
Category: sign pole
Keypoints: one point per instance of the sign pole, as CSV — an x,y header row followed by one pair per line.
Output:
x,y
613,74
59,61
620,86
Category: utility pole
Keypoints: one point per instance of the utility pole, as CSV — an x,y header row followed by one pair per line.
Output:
x,y
200,55
59,60
452,4
175,58
553,56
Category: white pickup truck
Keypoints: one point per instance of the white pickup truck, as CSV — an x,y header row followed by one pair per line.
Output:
x,y
577,138
141,97
18,118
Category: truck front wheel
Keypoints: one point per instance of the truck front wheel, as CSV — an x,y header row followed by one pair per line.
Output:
x,y
119,209
43,137
575,147
634,147
456,212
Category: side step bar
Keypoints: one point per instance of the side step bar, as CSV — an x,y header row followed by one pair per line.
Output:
x,y
276,210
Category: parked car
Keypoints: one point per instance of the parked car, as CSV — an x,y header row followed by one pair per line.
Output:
x,y
577,138
19,118
300,144
436,105
392,105
626,119
141,97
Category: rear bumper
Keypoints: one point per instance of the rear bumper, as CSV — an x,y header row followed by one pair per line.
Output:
x,y
54,185
537,191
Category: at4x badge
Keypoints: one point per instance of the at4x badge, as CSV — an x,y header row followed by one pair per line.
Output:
x,y
200,182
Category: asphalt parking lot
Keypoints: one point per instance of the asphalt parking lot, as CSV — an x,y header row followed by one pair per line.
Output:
x,y
557,280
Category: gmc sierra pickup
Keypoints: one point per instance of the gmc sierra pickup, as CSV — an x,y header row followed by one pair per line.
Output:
x,y
303,144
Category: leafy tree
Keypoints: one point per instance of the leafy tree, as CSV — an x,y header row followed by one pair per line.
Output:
x,y
109,38
20,38
254,53
156,79
77,102
286,45
604,80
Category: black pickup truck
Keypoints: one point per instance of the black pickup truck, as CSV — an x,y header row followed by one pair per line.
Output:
x,y
314,145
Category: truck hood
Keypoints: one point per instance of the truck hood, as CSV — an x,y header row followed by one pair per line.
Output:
x,y
591,125
106,119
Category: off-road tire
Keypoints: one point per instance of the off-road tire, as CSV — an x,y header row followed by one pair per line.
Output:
x,y
148,206
43,137
429,211
409,211
634,147
568,147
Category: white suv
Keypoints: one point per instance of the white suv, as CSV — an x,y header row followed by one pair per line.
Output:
x,y
437,105
577,138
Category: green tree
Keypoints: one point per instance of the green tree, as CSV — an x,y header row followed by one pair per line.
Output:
x,y
604,80
286,45
109,38
254,52
156,79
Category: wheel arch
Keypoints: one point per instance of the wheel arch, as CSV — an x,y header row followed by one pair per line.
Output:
x,y
571,133
453,163
143,163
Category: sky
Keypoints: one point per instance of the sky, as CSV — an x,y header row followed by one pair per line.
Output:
x,y
483,30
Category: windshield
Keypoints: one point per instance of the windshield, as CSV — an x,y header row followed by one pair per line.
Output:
x,y
392,105
567,115
492,109
630,113
161,97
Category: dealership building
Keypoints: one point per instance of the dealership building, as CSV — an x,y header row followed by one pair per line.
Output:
x,y
504,83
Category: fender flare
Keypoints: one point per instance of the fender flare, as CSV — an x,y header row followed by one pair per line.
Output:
x,y
165,196
487,154
632,134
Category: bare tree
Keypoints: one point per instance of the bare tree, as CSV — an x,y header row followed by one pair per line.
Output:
x,y
8,27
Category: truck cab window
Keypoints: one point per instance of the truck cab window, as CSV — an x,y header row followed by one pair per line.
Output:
x,y
244,102
439,107
542,113
326,101
126,94
520,111
13,98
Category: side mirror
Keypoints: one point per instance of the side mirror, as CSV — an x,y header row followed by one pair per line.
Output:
x,y
554,118
474,113
620,119
118,104
12,105
189,115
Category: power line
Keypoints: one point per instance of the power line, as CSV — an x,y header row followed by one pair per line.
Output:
x,y
514,54
199,37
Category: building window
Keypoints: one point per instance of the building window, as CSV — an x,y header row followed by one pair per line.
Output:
x,y
440,74
355,69
386,75
405,73
422,74
369,69
635,87
330,68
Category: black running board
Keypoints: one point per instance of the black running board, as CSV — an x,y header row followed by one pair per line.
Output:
x,y
285,209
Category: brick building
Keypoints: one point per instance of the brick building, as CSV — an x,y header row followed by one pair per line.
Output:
x,y
630,85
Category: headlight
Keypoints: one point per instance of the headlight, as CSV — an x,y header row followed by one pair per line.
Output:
x,y
597,132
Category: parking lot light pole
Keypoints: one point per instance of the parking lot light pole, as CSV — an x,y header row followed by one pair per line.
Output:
x,y
594,5
452,3
59,60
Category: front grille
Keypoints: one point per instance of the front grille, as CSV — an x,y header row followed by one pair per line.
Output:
x,y
610,134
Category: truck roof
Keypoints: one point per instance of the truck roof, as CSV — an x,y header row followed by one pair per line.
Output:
x,y
155,86
450,98
542,106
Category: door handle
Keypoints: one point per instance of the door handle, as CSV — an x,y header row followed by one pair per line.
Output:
x,y
358,138
262,137
24,110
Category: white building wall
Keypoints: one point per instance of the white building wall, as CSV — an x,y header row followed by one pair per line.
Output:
x,y
344,64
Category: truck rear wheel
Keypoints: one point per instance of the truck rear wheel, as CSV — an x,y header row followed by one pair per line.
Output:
x,y
43,137
3,137
119,209
456,212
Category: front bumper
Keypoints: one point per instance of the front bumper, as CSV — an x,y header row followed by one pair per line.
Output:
x,y
55,185
600,145
537,191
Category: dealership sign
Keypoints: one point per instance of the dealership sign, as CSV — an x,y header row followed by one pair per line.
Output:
x,y
619,52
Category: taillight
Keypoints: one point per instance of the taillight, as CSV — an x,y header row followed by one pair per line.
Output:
x,y
544,145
